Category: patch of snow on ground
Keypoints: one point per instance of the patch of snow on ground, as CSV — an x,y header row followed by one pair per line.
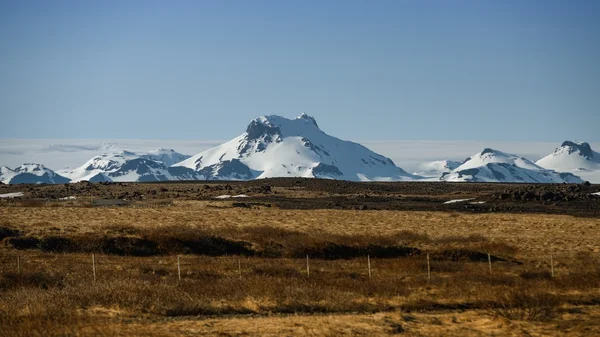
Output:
x,y
68,198
227,196
477,202
597,193
11,195
457,200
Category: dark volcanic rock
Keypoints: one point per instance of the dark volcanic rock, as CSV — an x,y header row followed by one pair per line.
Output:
x,y
324,170
231,169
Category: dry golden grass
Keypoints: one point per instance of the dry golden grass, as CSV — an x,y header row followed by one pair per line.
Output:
x,y
55,294
536,235
456,324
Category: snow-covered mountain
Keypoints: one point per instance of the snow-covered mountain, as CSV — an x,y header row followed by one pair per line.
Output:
x,y
125,166
31,174
575,157
274,146
496,166
166,156
435,169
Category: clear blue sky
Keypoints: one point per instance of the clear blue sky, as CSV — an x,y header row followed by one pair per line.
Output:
x,y
475,70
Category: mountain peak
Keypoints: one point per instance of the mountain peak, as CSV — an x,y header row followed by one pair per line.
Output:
x,y
437,168
162,149
276,120
574,143
167,156
490,151
30,167
584,148
273,127
262,126
127,153
576,157
308,118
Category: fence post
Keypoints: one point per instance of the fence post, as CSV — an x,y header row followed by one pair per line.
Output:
x,y
490,262
552,264
307,268
18,264
94,266
428,268
369,265
178,269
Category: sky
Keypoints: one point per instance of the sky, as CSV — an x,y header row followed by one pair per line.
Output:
x,y
379,70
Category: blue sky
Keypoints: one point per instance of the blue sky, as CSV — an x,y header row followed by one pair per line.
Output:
x,y
380,70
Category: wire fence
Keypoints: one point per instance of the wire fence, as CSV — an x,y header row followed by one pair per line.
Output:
x,y
422,265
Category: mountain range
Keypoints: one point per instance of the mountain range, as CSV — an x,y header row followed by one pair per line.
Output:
x,y
274,146
495,166
124,166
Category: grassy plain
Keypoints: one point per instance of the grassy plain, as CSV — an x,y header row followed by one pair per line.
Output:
x,y
250,278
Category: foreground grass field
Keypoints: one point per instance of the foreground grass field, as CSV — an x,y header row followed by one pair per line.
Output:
x,y
243,271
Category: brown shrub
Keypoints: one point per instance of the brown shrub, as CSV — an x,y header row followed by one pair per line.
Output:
x,y
43,280
6,232
526,304
536,275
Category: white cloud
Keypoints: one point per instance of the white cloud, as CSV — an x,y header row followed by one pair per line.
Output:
x,y
61,153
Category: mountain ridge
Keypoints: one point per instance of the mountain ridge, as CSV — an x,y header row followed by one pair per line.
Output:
x,y
123,166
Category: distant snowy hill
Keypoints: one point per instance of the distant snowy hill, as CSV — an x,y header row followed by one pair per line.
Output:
x,y
575,157
496,166
274,146
166,156
31,174
125,166
436,169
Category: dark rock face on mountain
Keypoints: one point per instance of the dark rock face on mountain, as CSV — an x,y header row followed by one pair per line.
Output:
x,y
326,171
99,178
584,149
232,169
144,169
